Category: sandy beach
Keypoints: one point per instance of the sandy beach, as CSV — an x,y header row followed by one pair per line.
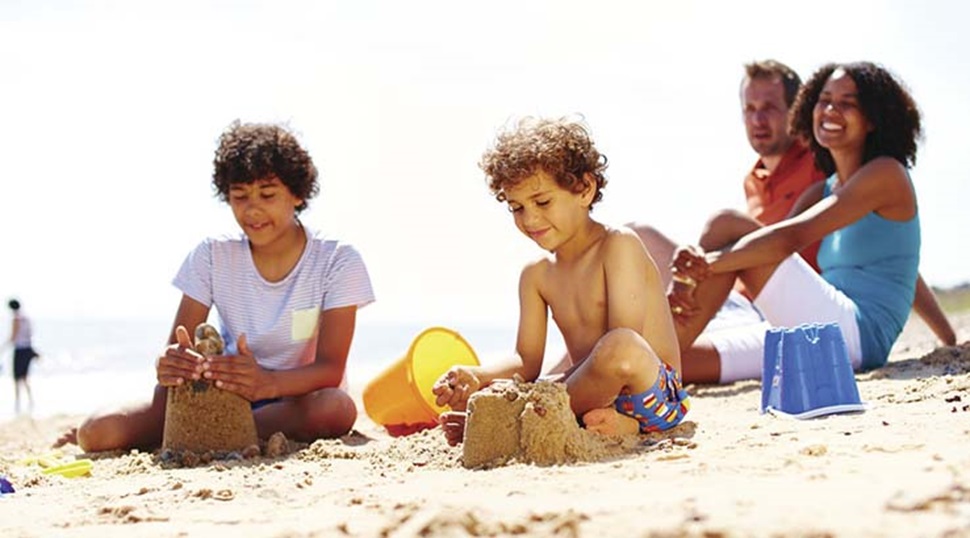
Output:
x,y
902,468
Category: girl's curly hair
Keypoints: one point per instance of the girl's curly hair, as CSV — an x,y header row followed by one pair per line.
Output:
x,y
560,147
250,152
885,102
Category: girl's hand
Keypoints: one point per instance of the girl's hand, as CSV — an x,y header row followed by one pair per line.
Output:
x,y
240,373
455,386
179,362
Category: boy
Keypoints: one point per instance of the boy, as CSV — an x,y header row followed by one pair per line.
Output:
x,y
600,283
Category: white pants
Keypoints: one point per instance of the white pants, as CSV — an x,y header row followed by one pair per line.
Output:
x,y
794,294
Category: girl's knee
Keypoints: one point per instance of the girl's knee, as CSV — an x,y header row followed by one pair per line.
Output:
x,y
329,413
100,433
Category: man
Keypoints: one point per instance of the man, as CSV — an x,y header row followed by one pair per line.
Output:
x,y
785,168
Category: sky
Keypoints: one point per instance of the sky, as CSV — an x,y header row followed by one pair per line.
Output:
x,y
110,111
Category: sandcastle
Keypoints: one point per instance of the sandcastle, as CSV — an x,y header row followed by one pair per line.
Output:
x,y
529,423
201,417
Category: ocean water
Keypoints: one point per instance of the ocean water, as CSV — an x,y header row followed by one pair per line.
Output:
x,y
89,364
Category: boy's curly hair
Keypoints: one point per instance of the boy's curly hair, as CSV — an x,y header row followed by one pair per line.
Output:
x,y
250,152
560,147
885,102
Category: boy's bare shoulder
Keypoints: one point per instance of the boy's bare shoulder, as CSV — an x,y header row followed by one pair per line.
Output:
x,y
536,267
621,239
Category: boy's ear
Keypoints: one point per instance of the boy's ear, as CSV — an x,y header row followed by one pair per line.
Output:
x,y
589,189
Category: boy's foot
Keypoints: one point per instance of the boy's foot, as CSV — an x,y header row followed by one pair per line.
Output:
x,y
453,424
68,437
607,421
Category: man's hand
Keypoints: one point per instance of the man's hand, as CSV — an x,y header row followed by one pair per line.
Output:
x,y
179,362
239,373
455,386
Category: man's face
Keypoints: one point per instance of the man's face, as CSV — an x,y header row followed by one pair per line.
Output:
x,y
765,116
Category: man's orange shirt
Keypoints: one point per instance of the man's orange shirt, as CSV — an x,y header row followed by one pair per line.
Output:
x,y
771,195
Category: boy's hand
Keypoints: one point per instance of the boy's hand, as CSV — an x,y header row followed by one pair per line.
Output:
x,y
455,386
239,373
179,362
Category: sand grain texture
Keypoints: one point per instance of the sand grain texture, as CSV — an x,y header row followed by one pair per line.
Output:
x,y
200,417
900,469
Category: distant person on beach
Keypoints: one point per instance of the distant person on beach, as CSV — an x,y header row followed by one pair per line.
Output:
x,y
784,170
600,284
863,127
21,337
287,300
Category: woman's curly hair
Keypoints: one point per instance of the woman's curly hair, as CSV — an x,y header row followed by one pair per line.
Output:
x,y
250,152
560,147
885,103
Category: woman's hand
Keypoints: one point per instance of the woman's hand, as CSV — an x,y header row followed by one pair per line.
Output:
x,y
689,265
688,268
239,373
179,362
455,386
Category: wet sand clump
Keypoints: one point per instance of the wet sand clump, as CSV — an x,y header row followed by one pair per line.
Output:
x,y
200,417
531,423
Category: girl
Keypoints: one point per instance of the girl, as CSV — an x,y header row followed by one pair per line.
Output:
x,y
287,302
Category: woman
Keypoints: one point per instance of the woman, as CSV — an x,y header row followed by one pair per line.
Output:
x,y
863,127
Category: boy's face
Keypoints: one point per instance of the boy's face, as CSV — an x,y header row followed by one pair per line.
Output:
x,y
265,209
545,212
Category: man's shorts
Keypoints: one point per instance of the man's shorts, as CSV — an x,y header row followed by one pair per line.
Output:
x,y
660,407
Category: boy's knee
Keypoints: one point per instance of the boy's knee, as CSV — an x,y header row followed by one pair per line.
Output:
x,y
329,413
622,353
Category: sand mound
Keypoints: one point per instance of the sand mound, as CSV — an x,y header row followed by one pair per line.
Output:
x,y
531,423
202,418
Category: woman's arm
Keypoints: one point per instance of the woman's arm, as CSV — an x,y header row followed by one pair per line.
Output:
x,y
926,305
880,185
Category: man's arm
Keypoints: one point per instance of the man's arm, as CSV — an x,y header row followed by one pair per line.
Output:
x,y
926,305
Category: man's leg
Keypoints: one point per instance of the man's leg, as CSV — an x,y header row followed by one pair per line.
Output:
x,y
660,247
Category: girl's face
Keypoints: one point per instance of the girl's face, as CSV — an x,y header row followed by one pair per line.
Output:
x,y
545,212
265,209
838,122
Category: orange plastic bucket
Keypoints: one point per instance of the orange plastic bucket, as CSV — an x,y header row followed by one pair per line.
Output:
x,y
401,395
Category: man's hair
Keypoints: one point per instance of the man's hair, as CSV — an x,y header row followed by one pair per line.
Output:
x,y
14,304
885,103
250,152
775,70
561,147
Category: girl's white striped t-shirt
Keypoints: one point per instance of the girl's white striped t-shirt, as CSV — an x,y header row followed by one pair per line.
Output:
x,y
279,319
